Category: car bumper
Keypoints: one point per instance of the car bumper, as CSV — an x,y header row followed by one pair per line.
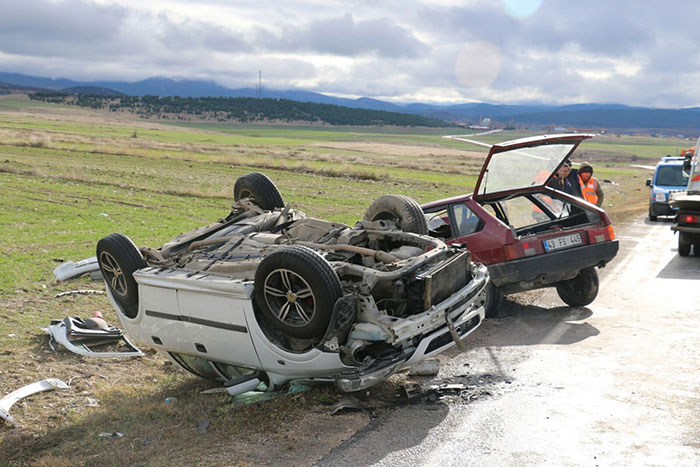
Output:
x,y
458,317
546,269
661,209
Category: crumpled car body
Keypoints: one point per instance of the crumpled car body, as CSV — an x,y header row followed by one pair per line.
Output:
x,y
269,295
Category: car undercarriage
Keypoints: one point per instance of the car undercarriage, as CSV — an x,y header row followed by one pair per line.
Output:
x,y
267,292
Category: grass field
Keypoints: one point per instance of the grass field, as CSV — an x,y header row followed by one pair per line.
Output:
x,y
70,176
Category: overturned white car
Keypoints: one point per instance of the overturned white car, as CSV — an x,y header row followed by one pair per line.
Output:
x,y
268,295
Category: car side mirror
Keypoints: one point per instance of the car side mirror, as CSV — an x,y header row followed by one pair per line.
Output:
x,y
648,181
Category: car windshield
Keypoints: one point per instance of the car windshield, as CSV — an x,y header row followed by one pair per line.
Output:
x,y
671,175
520,168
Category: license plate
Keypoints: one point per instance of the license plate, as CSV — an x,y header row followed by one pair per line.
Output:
x,y
559,243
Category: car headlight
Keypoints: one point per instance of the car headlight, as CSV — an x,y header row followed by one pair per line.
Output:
x,y
660,197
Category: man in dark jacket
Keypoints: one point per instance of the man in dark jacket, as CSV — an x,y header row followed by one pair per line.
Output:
x,y
566,180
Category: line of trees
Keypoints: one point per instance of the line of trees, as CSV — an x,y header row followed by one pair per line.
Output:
x,y
240,109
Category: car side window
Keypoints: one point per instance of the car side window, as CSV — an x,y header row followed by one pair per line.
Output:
x,y
439,224
466,222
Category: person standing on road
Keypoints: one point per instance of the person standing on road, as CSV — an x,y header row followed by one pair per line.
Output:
x,y
590,187
562,180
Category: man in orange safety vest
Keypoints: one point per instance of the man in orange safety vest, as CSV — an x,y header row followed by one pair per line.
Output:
x,y
590,187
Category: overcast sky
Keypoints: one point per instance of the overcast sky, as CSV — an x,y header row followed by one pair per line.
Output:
x,y
644,53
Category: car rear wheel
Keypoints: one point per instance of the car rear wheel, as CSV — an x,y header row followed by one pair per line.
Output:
x,y
401,210
119,258
296,289
259,189
494,300
683,246
581,290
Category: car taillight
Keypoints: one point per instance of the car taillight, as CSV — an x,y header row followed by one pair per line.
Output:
x,y
514,251
604,234
689,219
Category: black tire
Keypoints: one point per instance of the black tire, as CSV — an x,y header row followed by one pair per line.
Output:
x,y
259,189
581,290
401,210
118,258
494,300
696,249
288,273
683,247
652,218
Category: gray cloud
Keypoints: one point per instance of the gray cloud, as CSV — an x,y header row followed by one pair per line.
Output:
x,y
346,37
630,52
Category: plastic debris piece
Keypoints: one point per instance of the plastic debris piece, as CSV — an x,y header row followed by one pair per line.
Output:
x,y
203,426
114,434
9,400
428,367
412,390
70,270
92,402
75,334
346,403
295,388
171,400
251,397
79,292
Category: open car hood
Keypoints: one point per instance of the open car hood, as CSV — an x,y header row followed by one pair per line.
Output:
x,y
525,162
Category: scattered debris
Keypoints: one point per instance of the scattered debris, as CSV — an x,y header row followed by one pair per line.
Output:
x,y
80,292
346,403
171,400
9,400
77,334
112,435
92,402
203,426
70,270
296,388
428,367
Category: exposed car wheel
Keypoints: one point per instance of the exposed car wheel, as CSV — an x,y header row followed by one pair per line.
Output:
x,y
683,247
401,210
581,290
296,290
118,258
259,189
494,300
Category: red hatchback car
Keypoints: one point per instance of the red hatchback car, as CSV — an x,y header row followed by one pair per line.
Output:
x,y
528,235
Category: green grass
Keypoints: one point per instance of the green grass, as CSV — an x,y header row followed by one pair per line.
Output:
x,y
64,184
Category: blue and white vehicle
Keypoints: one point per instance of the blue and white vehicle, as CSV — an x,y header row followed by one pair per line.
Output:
x,y
668,178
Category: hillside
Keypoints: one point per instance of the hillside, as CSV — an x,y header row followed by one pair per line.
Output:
x,y
590,115
239,109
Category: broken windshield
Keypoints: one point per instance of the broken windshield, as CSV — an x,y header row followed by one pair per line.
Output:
x,y
520,168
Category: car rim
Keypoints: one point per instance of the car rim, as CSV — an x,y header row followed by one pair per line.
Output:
x,y
290,298
246,194
113,273
388,216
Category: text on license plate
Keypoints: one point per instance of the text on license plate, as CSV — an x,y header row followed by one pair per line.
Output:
x,y
565,241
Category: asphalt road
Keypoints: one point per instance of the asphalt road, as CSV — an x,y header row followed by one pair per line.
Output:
x,y
615,383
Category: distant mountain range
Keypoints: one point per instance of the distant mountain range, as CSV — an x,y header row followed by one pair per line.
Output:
x,y
578,115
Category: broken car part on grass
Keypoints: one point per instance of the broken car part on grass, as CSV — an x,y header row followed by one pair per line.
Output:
x,y
9,400
72,270
80,336
267,295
